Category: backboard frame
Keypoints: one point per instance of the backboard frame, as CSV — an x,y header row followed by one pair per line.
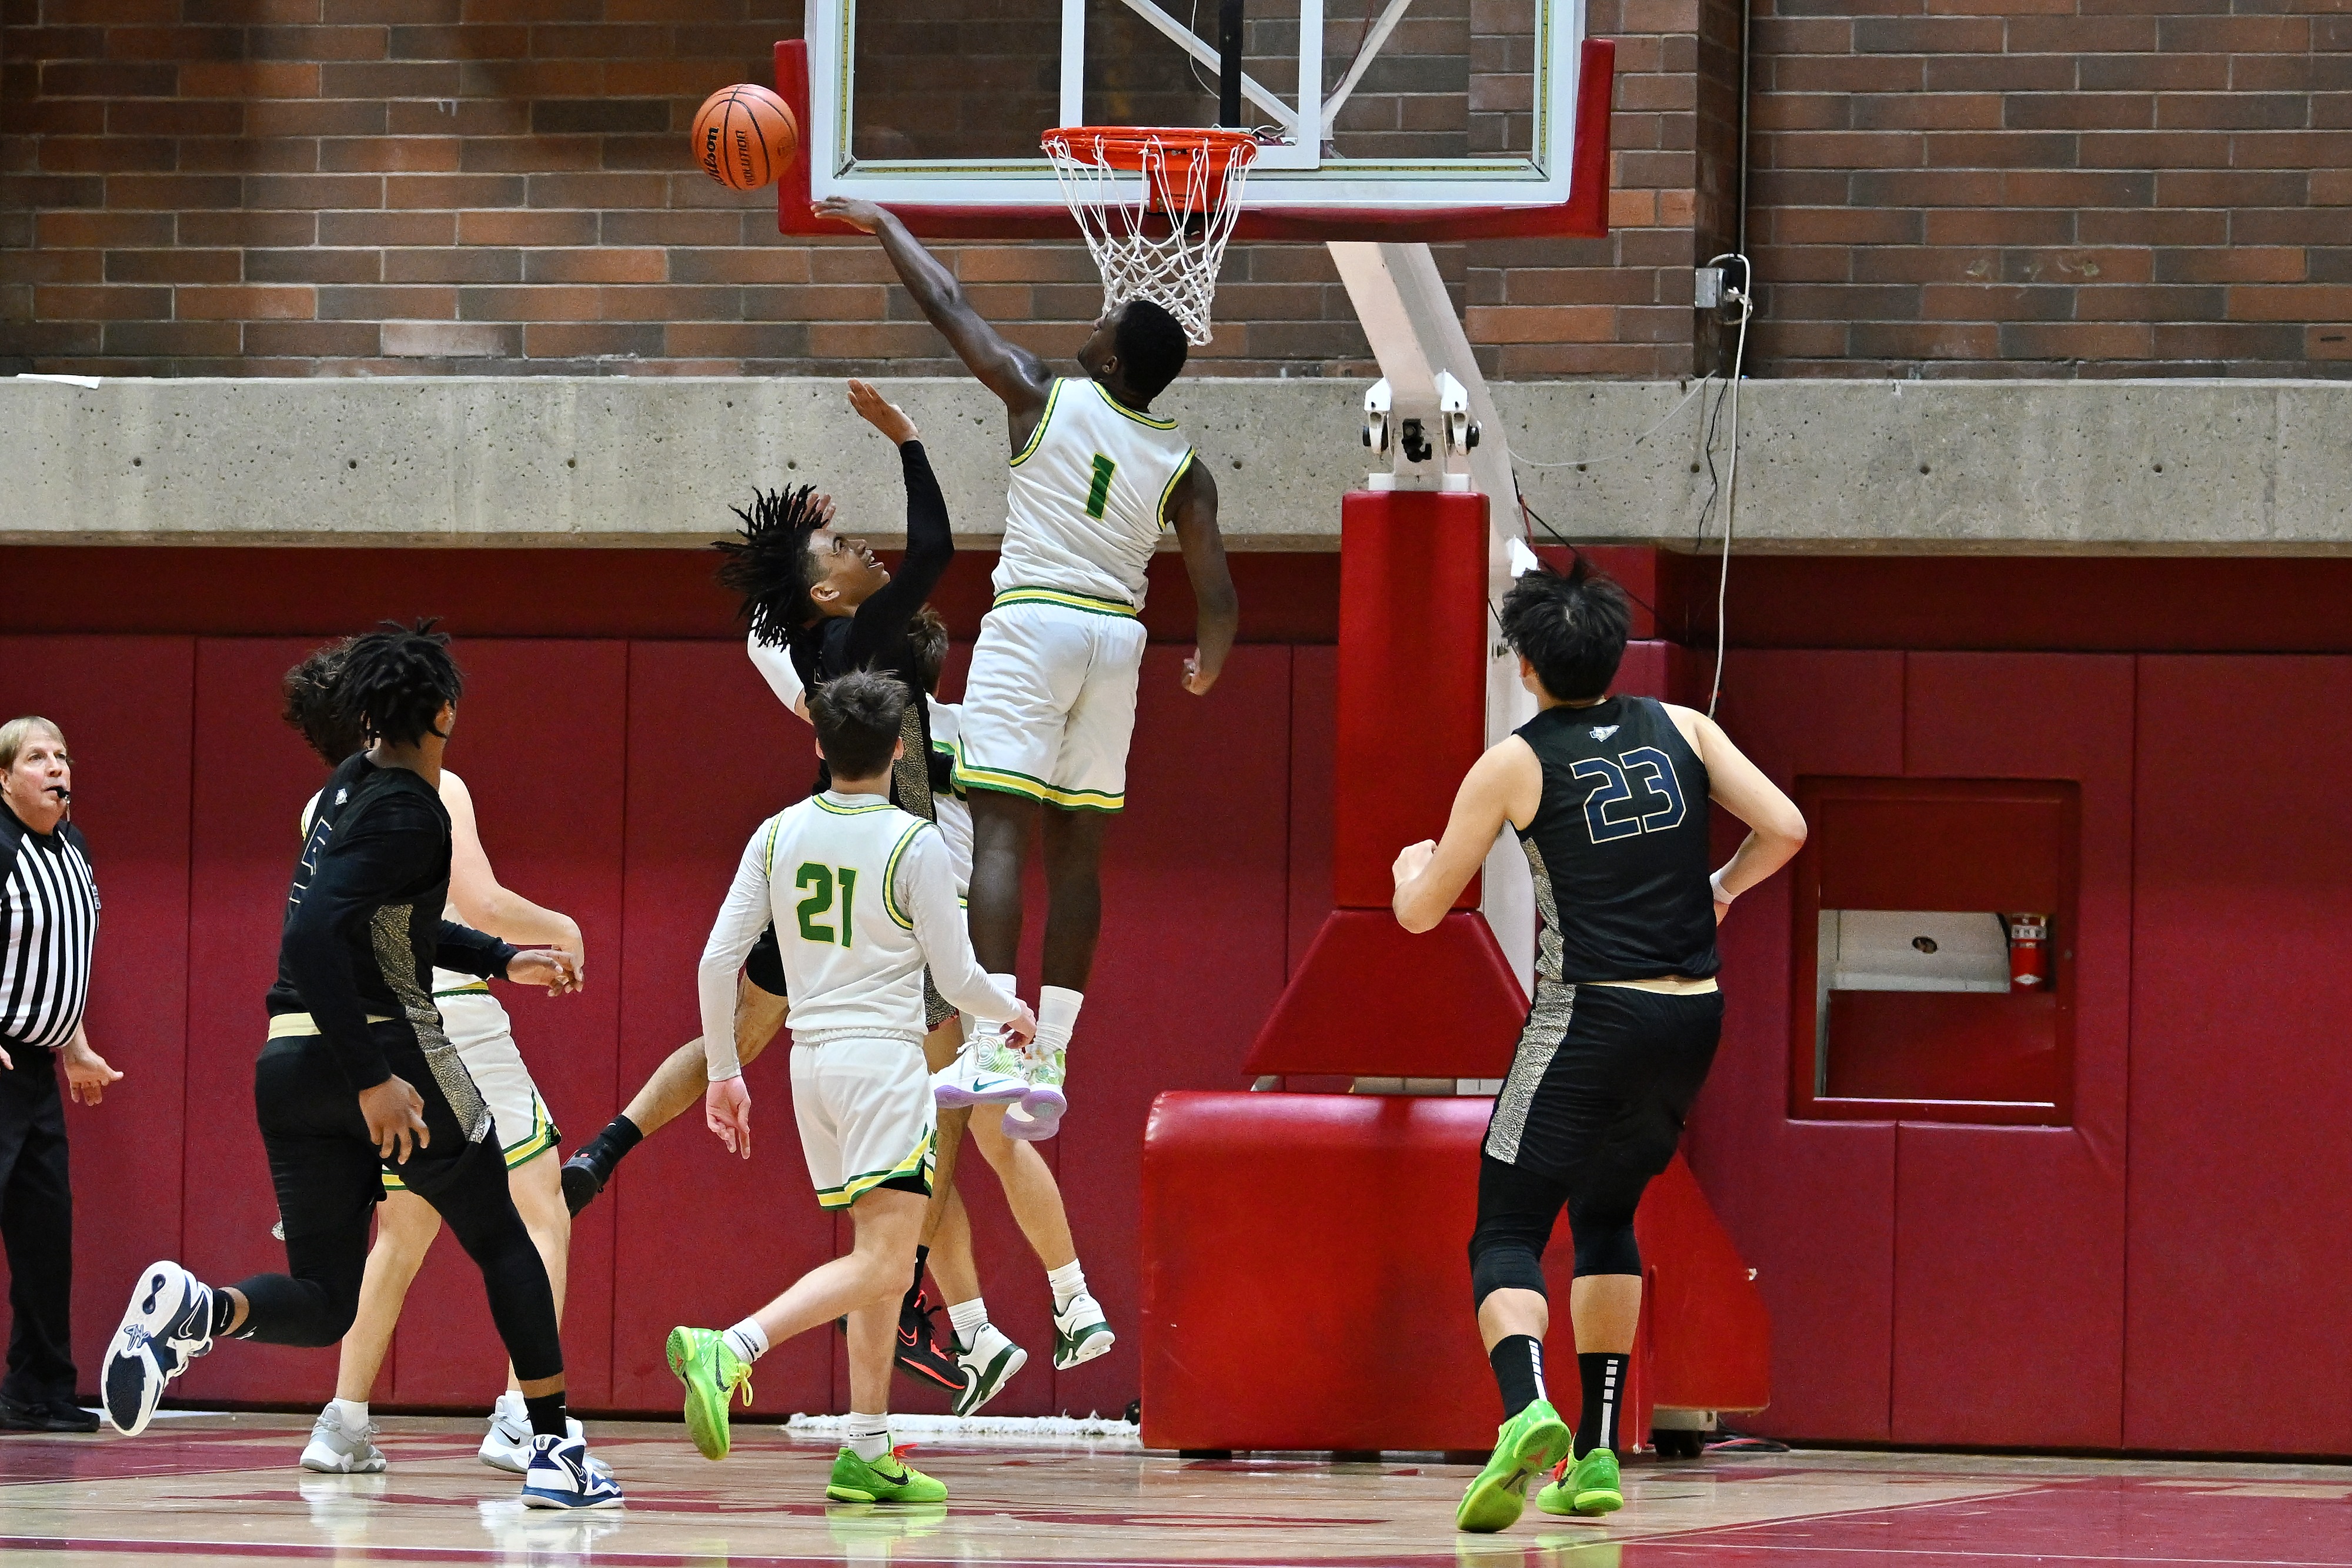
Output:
x,y
1563,193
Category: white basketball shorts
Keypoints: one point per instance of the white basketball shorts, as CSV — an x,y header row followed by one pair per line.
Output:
x,y
865,1117
1049,706
478,1027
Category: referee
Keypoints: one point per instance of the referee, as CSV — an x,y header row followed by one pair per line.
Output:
x,y
49,920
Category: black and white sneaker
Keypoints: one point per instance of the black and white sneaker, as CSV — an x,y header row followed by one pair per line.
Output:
x,y
168,1325
562,1475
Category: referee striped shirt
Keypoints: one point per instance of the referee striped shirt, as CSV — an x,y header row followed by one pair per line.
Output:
x,y
49,923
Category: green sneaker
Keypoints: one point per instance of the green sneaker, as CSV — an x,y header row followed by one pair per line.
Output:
x,y
1525,1446
1590,1487
712,1372
1048,1068
887,1480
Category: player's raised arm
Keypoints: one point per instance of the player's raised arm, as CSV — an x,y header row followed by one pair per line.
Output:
x,y
1193,514
485,903
1011,372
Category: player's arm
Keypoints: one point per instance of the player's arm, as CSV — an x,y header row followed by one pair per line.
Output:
x,y
1776,829
882,620
392,851
926,890
1193,514
774,662
741,917
485,903
1503,786
1011,372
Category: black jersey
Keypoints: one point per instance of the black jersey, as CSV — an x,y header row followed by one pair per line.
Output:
x,y
1619,846
363,924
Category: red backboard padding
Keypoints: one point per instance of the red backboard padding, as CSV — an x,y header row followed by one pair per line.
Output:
x,y
1372,999
1307,1279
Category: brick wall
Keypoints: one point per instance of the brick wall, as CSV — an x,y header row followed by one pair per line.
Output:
x,y
2039,187
1940,187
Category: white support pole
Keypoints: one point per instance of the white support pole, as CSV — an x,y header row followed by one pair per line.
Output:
x,y
1415,333
1074,62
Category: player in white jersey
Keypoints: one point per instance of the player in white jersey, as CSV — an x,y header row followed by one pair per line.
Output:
x,y
864,902
342,1440
1049,706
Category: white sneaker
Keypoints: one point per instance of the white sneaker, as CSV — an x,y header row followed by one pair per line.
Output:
x,y
1039,1114
964,1082
336,1450
989,1363
1080,1333
168,1325
507,1445
562,1475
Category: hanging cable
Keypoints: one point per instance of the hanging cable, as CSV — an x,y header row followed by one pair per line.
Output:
x,y
1741,296
1632,448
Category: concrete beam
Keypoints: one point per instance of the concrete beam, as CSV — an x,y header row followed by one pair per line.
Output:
x,y
1921,467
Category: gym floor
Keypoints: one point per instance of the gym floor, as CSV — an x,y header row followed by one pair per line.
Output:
x,y
223,1489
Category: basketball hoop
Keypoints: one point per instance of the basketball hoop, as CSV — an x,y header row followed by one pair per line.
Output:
x,y
1161,235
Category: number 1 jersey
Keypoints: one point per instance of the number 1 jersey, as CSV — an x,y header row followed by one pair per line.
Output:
x,y
1088,496
1619,846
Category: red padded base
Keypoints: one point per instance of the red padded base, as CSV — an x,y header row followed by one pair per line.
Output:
x,y
1372,1000
1307,1281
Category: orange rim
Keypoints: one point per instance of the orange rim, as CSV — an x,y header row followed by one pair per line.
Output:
x,y
1131,147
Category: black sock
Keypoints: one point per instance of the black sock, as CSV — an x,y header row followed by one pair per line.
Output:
x,y
223,1309
546,1415
1517,1360
606,1149
907,1304
1604,1387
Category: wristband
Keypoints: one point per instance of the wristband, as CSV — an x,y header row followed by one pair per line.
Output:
x,y
1722,894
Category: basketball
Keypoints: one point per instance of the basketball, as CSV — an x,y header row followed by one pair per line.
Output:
x,y
744,136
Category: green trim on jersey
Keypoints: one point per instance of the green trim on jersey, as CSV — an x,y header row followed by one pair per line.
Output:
x,y
1170,488
768,856
541,1137
858,1186
1086,603
954,752
478,988
1004,781
1145,419
1044,419
824,805
890,878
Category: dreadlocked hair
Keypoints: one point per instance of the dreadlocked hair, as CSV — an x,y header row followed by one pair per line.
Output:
x,y
928,634
313,708
768,563
396,678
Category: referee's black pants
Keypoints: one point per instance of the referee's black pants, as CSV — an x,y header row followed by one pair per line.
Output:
x,y
37,1223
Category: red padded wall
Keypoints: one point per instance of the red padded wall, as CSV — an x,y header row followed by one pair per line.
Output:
x,y
124,706
2241,1086
1810,1204
2009,1277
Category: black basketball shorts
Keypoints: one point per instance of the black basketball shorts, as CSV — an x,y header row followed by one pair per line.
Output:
x,y
1602,1082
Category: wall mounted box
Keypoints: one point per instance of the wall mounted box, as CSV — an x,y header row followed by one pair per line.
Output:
x,y
1902,998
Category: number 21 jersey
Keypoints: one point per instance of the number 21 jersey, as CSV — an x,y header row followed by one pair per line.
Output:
x,y
1619,846
1089,494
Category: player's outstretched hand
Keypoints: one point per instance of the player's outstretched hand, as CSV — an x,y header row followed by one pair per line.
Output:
x,y
395,1114
1412,860
856,215
1196,680
882,414
549,967
726,1111
1022,1027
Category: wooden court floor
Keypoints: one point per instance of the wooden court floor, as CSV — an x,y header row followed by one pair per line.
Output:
x,y
219,1490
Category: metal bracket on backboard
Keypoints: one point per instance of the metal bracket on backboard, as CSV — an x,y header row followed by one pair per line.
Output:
x,y
1406,441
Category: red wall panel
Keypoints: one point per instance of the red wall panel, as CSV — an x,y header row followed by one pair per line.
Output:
x,y
2008,1279
2240,1087
124,706
1810,1204
534,742
1314,750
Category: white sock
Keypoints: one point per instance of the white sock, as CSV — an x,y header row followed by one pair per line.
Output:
x,y
748,1340
351,1415
966,1318
1058,1016
869,1435
1069,1283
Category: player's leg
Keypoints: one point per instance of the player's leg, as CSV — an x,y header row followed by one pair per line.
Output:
x,y
677,1086
1517,1209
537,1187
342,1440
865,1470
920,1353
984,1357
1028,667
1003,826
1081,1331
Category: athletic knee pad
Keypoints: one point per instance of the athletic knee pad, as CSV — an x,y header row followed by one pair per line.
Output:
x,y
1605,1243
1503,1263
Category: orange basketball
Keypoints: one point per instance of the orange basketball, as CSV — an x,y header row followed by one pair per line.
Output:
x,y
744,136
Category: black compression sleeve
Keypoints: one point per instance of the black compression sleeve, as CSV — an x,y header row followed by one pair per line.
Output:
x,y
882,619
472,952
394,848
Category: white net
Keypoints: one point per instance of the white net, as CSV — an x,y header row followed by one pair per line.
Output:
x,y
1157,208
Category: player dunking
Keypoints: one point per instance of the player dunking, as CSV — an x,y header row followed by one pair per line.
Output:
x,y
1049,705
359,1075
342,1440
864,905
1610,798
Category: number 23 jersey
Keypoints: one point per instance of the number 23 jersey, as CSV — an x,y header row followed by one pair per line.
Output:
x,y
1619,846
1088,496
